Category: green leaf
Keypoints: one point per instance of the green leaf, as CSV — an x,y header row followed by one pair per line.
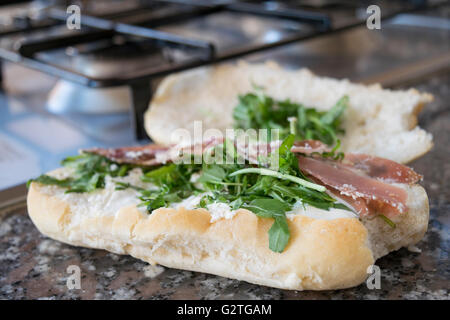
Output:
x,y
160,175
89,173
279,234
388,221
286,145
336,111
301,118
126,185
285,191
341,206
156,203
236,204
45,179
333,154
214,174
123,170
262,185
259,111
267,208
272,173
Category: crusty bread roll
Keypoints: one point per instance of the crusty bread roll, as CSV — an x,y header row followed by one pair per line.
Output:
x,y
323,253
379,122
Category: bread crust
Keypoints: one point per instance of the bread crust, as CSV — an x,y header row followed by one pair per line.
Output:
x,y
321,255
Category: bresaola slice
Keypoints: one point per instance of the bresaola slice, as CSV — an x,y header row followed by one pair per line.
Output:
x,y
354,184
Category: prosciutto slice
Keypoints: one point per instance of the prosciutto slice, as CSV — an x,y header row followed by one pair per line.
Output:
x,y
152,154
382,169
141,155
375,167
354,184
358,204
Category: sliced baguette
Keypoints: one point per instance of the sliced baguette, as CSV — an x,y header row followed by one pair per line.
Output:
x,y
379,122
322,254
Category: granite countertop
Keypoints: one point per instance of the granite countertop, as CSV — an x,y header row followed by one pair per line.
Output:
x,y
34,266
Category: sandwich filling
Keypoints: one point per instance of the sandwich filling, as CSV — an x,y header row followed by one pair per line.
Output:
x,y
295,172
307,176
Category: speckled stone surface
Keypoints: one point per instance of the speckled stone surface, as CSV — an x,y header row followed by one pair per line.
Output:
x,y
33,266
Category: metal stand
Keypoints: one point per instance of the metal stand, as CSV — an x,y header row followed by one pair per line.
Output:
x,y
141,94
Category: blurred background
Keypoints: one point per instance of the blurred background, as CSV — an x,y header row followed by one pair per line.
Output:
x,y
65,88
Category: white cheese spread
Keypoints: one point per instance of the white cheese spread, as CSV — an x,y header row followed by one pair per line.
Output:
x,y
108,201
316,213
101,202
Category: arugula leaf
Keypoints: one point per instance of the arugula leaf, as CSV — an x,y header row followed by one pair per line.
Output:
x,y
89,173
287,161
333,154
87,183
276,174
335,112
259,111
279,234
285,147
162,175
46,179
272,208
173,182
267,208
214,174
236,204
388,221
126,185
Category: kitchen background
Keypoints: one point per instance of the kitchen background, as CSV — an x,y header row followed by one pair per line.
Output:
x,y
63,89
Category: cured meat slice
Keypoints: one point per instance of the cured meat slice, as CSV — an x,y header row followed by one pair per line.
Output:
x,y
152,154
141,155
380,168
354,184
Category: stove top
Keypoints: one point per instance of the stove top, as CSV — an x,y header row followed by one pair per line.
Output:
x,y
107,70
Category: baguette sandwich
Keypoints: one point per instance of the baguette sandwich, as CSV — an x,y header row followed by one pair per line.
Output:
x,y
295,211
